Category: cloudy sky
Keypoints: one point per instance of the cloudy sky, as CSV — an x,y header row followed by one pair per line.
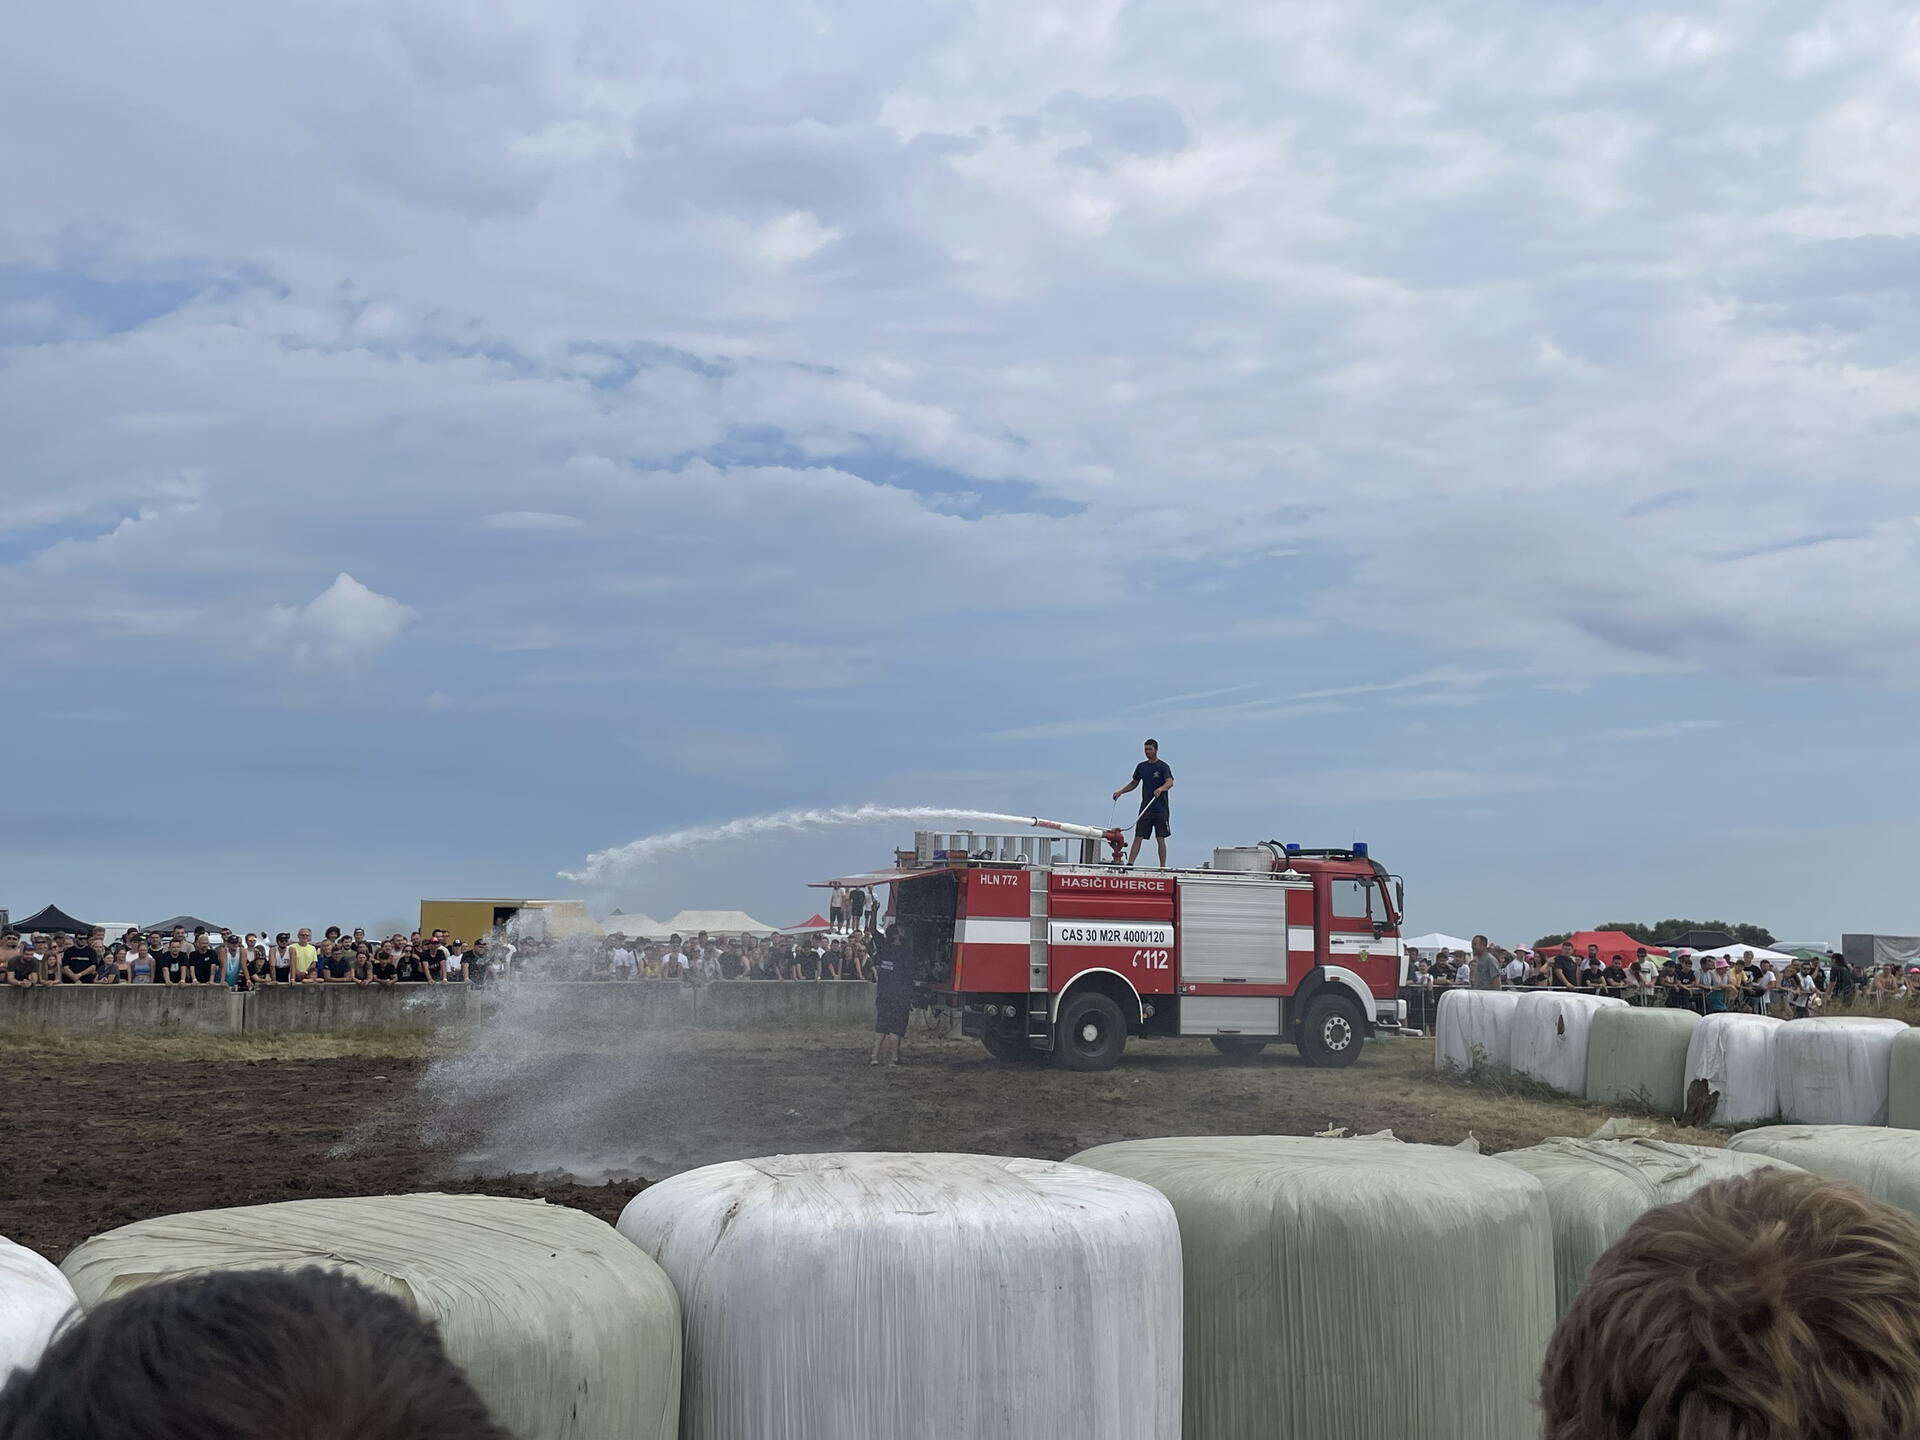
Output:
x,y
444,439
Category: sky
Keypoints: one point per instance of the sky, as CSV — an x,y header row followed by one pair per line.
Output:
x,y
442,440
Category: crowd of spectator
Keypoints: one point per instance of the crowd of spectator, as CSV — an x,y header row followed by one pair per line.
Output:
x,y
253,960
1788,989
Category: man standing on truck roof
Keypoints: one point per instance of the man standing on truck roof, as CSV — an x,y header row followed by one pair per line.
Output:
x,y
1157,777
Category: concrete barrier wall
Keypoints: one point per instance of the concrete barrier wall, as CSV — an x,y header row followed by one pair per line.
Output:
x,y
80,1009
334,1009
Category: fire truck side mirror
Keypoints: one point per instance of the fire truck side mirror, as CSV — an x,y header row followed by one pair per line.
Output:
x,y
1380,927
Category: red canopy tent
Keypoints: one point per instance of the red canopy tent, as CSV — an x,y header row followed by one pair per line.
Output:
x,y
1611,943
811,926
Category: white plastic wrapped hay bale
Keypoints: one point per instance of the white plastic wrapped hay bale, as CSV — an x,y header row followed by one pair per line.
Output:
x,y
1597,1188
1731,1075
1903,1081
1835,1072
566,1330
1639,1056
1474,1027
34,1299
1550,1029
1884,1163
919,1297
1353,1289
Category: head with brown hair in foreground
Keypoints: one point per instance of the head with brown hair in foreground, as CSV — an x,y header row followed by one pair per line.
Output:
x,y
1778,1306
247,1355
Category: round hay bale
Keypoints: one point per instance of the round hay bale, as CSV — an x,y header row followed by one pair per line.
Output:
x,y
1731,1075
876,1296
1639,1057
1550,1029
1884,1163
1903,1081
1353,1289
34,1299
1473,1029
1597,1188
1837,1071
567,1331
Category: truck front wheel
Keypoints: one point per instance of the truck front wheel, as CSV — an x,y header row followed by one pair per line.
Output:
x,y
1091,1032
1330,1032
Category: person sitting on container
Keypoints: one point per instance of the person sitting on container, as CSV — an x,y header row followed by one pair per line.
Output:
x,y
893,995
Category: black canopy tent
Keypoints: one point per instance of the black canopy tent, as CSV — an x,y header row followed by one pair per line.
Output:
x,y
188,923
51,920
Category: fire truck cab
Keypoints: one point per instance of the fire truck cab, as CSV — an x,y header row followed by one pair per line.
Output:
x,y
1046,951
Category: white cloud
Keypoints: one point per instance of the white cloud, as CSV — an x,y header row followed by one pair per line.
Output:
x,y
345,622
1338,788
1431,321
531,520
1667,730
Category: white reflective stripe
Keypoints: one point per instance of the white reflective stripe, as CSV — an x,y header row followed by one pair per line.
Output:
x,y
1300,937
992,930
1095,932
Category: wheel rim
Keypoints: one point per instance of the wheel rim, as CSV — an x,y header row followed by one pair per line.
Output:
x,y
1337,1033
1089,1033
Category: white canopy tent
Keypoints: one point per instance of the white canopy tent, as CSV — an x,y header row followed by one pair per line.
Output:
x,y
1427,944
716,922
1735,952
635,927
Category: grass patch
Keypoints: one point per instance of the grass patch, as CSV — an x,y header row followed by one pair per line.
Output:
x,y
1497,1105
1906,1008
112,1046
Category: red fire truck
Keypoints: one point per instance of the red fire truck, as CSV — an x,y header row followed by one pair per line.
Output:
x,y
1046,949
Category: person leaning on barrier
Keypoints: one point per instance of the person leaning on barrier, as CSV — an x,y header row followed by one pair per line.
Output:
x,y
247,1355
1778,1306
18,969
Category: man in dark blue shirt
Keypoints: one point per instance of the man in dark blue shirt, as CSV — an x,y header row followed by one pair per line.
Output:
x,y
1155,778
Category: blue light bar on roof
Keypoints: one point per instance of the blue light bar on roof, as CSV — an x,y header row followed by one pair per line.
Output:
x,y
1292,849
1360,848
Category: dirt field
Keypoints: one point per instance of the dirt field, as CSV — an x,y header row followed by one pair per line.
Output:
x,y
99,1134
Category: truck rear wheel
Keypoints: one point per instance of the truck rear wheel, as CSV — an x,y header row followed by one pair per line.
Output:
x,y
1330,1032
1237,1047
1090,1033
1006,1045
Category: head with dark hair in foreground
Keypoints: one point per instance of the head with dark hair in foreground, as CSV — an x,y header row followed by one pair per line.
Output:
x,y
247,1355
1779,1306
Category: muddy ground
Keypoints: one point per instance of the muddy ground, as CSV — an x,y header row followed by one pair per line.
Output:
x,y
88,1143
